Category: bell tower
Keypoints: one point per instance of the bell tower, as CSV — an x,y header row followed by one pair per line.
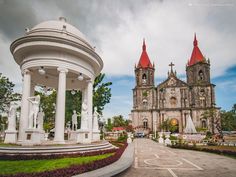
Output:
x,y
144,88
198,79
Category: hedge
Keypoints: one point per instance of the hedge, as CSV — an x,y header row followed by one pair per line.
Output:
x,y
217,151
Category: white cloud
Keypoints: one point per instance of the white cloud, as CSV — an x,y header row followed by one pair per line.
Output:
x,y
117,29
168,29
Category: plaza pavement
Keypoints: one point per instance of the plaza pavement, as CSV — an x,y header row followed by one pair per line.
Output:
x,y
155,160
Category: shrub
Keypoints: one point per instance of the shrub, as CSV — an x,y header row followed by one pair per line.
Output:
x,y
217,151
173,137
212,143
208,134
122,138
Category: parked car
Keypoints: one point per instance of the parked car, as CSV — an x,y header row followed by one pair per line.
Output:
x,y
139,135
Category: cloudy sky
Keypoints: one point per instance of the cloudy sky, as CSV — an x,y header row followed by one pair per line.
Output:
x,y
117,29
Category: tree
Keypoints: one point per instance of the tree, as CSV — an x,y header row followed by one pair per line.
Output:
x,y
234,109
73,102
47,103
228,119
6,93
165,125
173,128
109,125
214,117
3,123
118,121
101,93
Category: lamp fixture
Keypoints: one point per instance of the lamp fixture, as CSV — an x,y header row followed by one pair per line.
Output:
x,y
72,92
80,77
41,70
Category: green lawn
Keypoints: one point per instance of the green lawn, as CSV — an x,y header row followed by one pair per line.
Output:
x,y
6,145
29,166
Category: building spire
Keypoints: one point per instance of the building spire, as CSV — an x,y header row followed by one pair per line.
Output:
x,y
144,45
196,53
144,61
195,40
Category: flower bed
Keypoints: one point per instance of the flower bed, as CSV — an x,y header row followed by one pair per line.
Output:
x,y
205,149
75,169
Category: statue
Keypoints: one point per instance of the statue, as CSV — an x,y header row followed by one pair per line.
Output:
x,y
190,128
11,133
40,119
84,115
95,119
12,116
74,120
35,101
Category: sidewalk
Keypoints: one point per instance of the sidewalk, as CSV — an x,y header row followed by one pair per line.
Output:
x,y
125,161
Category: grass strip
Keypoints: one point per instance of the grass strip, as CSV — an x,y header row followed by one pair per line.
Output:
x,y
35,166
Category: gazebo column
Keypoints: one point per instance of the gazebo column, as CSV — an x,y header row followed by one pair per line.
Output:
x,y
32,91
84,126
90,107
24,117
60,106
32,87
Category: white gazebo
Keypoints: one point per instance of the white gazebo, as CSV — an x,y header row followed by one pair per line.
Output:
x,y
57,55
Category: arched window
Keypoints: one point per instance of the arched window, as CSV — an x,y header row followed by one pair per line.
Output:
x,y
200,75
145,103
173,101
204,125
145,123
202,92
144,78
202,101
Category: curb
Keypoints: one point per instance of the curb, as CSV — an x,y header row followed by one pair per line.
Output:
x,y
125,161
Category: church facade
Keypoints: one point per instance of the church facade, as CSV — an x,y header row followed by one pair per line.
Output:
x,y
173,99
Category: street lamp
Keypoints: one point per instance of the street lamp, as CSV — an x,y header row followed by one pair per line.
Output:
x,y
41,70
73,92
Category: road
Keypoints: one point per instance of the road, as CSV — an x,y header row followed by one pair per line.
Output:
x,y
155,160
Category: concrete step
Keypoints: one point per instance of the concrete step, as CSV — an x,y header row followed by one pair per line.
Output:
x,y
56,149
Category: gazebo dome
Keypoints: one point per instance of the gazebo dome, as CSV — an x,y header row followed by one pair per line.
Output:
x,y
53,44
59,28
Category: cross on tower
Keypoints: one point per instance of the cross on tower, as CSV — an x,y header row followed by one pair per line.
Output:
x,y
171,66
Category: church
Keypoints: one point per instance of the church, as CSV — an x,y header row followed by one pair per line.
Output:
x,y
173,99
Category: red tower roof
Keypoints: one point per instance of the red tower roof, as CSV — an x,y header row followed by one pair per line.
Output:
x,y
144,61
196,54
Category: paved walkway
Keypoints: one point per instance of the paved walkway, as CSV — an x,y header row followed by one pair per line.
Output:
x,y
153,159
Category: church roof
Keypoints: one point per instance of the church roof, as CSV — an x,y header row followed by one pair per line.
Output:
x,y
172,81
196,56
144,61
